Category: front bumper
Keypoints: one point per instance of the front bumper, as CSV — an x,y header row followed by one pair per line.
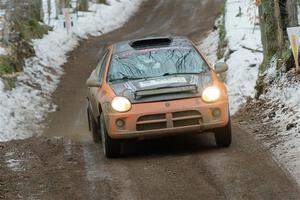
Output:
x,y
157,119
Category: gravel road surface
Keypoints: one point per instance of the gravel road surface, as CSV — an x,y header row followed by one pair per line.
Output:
x,y
184,167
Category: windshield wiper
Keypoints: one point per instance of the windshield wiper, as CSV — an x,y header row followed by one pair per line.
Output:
x,y
125,78
182,73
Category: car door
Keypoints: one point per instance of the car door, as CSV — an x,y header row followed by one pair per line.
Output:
x,y
93,92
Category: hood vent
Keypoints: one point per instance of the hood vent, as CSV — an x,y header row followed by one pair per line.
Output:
x,y
150,42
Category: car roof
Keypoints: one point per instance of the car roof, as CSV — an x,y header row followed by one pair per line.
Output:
x,y
151,42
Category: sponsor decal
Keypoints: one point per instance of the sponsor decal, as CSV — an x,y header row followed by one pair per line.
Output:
x,y
156,82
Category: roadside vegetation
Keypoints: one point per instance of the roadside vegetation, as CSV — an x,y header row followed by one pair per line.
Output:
x,y
273,116
222,33
275,17
24,21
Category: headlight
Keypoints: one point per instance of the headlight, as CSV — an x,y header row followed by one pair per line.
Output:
x,y
211,94
121,104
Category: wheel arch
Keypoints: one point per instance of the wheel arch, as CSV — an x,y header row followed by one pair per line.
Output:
x,y
99,112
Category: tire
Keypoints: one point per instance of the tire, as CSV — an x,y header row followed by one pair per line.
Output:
x,y
111,147
223,136
94,127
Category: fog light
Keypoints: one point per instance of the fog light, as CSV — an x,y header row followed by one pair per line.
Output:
x,y
120,123
216,112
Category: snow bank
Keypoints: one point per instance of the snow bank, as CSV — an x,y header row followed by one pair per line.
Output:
x,y
283,96
3,51
243,64
209,46
24,108
283,92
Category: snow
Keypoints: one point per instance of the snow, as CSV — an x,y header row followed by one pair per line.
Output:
x,y
13,164
24,108
243,64
1,85
241,32
49,13
209,46
284,96
298,16
3,51
283,92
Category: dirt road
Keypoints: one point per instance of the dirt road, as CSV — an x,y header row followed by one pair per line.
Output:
x,y
188,167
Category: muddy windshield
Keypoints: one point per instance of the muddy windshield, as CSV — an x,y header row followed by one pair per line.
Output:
x,y
155,63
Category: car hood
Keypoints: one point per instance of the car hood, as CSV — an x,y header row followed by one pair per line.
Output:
x,y
130,89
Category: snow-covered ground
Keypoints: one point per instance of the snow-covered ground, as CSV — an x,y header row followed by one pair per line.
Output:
x,y
283,94
209,46
23,109
242,32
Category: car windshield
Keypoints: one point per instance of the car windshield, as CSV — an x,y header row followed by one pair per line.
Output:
x,y
155,63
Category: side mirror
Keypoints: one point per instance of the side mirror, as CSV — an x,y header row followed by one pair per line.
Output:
x,y
221,67
93,80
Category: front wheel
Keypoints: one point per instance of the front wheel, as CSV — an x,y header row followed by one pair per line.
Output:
x,y
223,135
111,147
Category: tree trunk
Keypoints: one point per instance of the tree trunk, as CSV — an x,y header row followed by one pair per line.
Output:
x,y
49,11
280,14
292,8
36,8
268,24
83,5
58,8
275,17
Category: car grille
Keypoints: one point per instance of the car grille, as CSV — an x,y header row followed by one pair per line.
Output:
x,y
169,120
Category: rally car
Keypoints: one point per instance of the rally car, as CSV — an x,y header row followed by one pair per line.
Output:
x,y
154,87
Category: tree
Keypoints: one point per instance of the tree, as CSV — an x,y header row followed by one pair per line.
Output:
x,y
275,17
83,5
268,26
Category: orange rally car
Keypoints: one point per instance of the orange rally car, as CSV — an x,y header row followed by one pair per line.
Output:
x,y
155,87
